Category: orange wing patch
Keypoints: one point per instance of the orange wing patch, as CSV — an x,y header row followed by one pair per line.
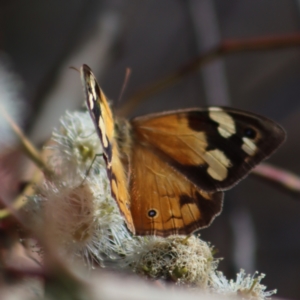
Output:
x,y
119,187
163,202
171,134
180,145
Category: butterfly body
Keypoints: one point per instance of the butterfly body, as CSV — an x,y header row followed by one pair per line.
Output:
x,y
168,170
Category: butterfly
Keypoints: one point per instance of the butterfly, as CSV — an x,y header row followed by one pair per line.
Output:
x,y
168,170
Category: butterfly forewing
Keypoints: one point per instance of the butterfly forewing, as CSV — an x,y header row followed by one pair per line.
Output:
x,y
213,148
99,110
104,123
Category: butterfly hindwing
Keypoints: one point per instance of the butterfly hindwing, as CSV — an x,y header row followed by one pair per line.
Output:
x,y
104,123
163,201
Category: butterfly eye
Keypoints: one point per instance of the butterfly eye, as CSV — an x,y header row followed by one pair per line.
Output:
x,y
152,213
250,133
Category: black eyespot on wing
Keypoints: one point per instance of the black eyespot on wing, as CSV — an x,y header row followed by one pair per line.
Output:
x,y
152,213
250,133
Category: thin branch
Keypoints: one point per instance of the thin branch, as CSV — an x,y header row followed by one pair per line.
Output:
x,y
35,156
28,147
230,46
281,178
22,199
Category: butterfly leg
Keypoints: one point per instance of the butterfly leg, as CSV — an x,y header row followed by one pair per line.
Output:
x,y
90,167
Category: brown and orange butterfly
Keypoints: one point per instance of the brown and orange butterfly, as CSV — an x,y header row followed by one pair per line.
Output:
x,y
168,170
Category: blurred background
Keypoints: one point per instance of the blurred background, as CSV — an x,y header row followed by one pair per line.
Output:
x,y
39,40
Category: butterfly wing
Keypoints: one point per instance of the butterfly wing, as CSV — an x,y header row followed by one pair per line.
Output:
x,y
163,201
104,123
193,154
215,147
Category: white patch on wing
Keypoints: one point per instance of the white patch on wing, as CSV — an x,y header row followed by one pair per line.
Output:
x,y
91,102
249,146
218,164
226,123
93,84
103,132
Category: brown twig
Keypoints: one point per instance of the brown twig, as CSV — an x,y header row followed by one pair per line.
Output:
x,y
21,200
230,46
28,147
34,155
279,177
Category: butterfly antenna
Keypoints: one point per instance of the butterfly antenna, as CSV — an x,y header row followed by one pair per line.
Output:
x,y
74,68
125,82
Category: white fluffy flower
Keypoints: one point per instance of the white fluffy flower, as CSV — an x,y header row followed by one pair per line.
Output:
x,y
184,260
245,286
80,215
